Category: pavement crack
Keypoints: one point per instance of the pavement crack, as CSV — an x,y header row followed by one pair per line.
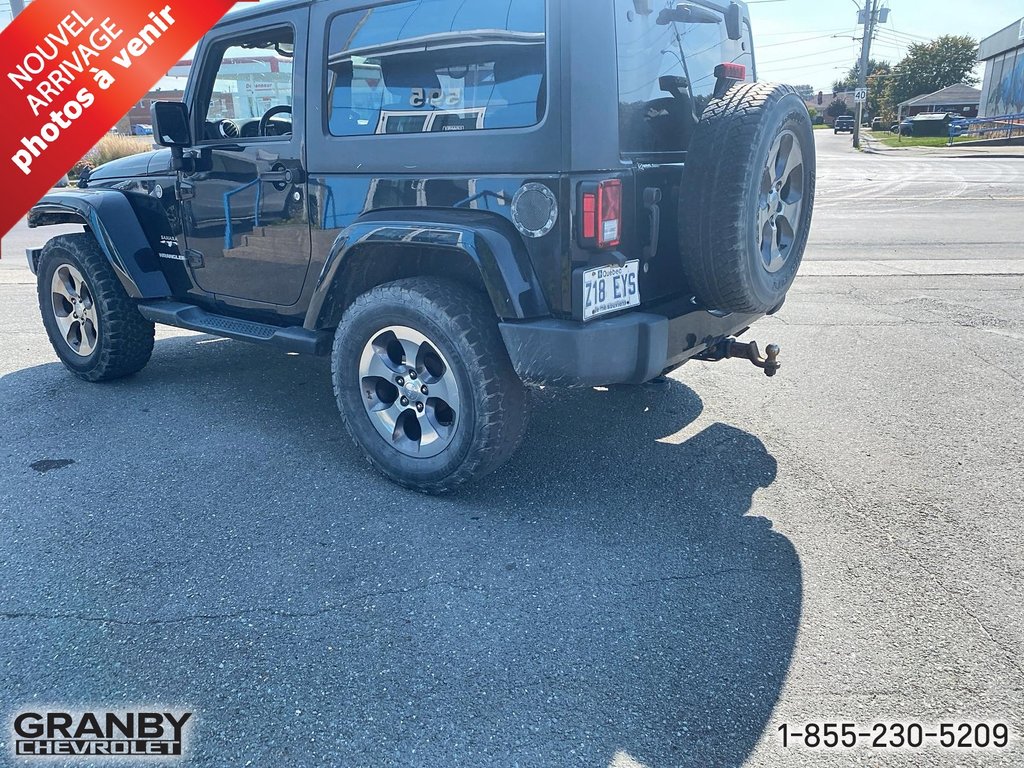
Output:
x,y
703,575
843,496
998,367
222,616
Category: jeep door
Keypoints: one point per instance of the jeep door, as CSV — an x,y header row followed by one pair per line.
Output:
x,y
244,209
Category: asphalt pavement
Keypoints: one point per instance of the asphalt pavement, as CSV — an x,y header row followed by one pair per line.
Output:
x,y
662,576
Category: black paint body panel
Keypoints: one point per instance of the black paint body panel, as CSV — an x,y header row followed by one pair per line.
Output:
x,y
287,257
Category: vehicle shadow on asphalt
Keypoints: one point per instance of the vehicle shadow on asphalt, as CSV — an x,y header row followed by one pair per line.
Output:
x,y
605,597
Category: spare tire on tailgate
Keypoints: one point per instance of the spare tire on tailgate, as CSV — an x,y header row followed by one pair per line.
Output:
x,y
747,198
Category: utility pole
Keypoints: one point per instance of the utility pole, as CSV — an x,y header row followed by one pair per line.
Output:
x,y
870,11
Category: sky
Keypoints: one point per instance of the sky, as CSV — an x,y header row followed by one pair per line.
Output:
x,y
811,41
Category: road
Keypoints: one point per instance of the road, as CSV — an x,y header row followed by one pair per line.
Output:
x,y
661,577
917,207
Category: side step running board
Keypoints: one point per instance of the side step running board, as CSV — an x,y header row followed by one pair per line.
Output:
x,y
192,318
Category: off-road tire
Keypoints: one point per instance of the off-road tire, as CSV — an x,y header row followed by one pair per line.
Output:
x,y
124,337
461,323
720,197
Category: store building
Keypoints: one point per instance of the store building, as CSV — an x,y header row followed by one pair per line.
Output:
x,y
1002,91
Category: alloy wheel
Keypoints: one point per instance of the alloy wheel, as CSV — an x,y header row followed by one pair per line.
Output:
x,y
410,392
74,309
781,201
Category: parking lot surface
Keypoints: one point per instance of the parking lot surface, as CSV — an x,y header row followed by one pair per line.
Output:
x,y
662,576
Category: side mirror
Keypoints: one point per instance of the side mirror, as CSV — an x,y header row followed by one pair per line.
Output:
x,y
734,21
170,124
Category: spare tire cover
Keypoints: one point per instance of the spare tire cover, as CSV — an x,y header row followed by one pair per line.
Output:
x,y
747,198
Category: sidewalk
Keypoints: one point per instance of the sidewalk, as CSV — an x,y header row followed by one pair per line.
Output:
x,y
875,146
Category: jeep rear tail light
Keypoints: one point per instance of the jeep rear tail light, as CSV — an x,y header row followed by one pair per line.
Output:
x,y
601,214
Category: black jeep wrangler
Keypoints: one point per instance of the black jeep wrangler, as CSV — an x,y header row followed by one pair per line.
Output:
x,y
453,200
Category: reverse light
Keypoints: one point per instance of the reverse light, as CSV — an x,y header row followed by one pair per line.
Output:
x,y
609,208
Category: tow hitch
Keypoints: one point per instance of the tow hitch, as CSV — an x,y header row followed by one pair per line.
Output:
x,y
731,348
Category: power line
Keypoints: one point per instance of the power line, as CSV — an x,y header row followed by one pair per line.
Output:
x,y
817,65
801,32
892,31
804,55
802,40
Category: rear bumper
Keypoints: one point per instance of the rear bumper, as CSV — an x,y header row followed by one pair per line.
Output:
x,y
626,349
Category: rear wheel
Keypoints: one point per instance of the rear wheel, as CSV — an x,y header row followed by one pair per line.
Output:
x,y
94,327
425,386
748,198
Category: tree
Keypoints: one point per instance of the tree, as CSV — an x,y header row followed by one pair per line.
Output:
x,y
837,108
852,79
877,72
806,91
876,88
929,67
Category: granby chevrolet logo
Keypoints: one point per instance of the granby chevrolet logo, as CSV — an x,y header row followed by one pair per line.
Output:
x,y
99,734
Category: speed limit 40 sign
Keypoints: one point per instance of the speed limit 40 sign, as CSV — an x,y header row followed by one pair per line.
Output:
x,y
860,95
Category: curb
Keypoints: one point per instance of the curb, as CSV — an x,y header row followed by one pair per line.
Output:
x,y
874,147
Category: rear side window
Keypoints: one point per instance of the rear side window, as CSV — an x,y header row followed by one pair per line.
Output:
x,y
666,72
437,66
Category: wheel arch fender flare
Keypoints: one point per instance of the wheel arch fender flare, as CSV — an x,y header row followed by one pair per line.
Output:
x,y
110,217
489,241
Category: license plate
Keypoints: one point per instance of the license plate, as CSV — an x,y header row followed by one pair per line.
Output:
x,y
609,289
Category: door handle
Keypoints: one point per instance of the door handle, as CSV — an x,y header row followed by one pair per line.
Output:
x,y
282,176
276,177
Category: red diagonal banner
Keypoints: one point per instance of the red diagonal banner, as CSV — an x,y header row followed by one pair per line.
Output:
x,y
70,69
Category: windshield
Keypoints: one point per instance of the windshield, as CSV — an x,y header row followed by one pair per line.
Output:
x,y
666,73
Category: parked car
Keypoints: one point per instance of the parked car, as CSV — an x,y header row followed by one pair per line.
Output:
x,y
844,124
143,130
517,232
878,124
904,128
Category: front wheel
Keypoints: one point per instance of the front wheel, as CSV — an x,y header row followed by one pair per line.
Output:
x,y
425,385
94,327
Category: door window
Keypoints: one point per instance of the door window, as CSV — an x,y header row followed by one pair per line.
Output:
x,y
248,92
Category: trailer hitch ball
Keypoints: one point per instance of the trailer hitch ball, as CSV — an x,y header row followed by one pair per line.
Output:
x,y
731,348
771,363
